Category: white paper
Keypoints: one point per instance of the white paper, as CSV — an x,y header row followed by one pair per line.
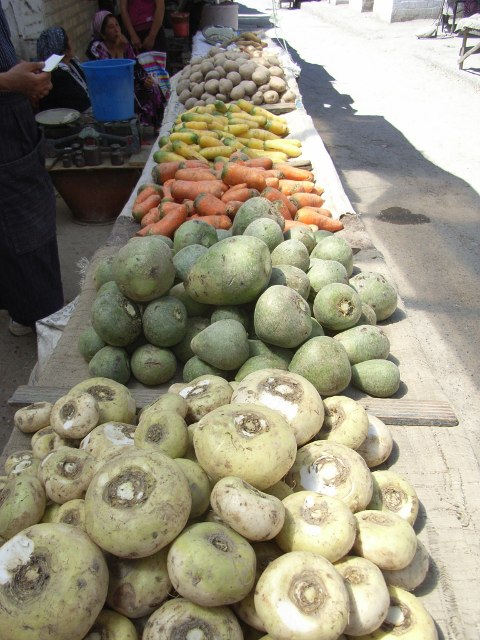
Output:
x,y
51,63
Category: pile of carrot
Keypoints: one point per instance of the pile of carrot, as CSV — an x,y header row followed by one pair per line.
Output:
x,y
193,189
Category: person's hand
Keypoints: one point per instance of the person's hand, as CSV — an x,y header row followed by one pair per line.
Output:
x,y
148,43
136,42
29,79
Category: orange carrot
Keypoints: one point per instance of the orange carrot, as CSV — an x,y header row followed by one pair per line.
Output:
x,y
190,207
149,218
167,207
207,204
166,188
272,182
318,190
265,163
234,173
139,210
320,220
293,173
240,194
242,185
192,164
219,222
306,200
293,224
166,226
195,174
289,187
304,212
273,173
189,190
232,207
164,171
146,190
279,200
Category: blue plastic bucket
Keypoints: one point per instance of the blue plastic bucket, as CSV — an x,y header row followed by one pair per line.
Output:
x,y
110,86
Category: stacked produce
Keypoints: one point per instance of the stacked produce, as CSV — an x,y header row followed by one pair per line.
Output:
x,y
180,523
217,131
257,298
231,75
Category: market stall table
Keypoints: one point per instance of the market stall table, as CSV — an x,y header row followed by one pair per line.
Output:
x,y
430,451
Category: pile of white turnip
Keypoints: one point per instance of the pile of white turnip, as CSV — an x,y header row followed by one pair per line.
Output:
x,y
221,511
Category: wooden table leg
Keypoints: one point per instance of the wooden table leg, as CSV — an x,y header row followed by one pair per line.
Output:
x,y
465,54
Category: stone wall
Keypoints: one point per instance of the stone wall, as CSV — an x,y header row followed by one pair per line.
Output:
x,y
28,19
401,10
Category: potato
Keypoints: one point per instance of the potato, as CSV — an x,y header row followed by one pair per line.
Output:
x,y
211,87
219,59
195,67
249,87
197,89
257,98
261,75
271,97
246,70
221,96
210,100
213,51
288,96
182,84
234,77
278,84
204,96
276,71
196,76
206,66
191,102
225,86
212,75
237,93
184,96
195,60
263,88
230,65
221,71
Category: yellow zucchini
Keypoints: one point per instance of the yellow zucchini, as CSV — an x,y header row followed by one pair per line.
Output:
x,y
210,153
253,143
188,116
277,127
167,156
276,156
189,137
281,145
208,141
261,134
186,150
237,129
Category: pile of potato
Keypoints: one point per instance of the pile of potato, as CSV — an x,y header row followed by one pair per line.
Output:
x,y
233,75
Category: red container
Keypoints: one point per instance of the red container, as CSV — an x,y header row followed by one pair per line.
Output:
x,y
180,24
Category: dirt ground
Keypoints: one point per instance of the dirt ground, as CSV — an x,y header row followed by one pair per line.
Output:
x,y
399,121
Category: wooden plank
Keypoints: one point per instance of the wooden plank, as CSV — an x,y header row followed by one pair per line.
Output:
x,y
433,413
391,411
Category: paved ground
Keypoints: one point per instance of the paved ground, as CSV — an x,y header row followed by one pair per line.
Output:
x,y
399,121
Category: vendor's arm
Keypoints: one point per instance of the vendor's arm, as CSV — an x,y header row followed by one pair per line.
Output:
x,y
127,24
26,78
157,22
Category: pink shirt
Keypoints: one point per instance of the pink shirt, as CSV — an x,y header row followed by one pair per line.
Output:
x,y
141,13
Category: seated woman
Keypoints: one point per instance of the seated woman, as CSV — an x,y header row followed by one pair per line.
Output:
x,y
109,42
69,86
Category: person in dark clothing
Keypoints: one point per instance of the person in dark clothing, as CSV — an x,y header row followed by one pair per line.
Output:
x,y
30,281
69,84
